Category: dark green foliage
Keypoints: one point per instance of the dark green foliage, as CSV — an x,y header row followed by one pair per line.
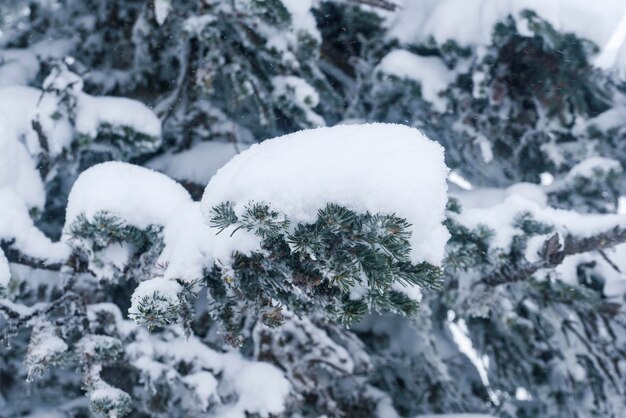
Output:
x,y
529,226
119,143
531,85
156,311
344,263
116,404
106,229
597,193
467,248
273,12
91,236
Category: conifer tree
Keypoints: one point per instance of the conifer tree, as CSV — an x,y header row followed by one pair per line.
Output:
x,y
326,272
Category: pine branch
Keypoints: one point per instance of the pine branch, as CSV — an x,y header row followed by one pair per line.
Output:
x,y
21,315
17,257
552,254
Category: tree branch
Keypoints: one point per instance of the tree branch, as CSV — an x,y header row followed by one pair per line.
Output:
x,y
17,257
552,254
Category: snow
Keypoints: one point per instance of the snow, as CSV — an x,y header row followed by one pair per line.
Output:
x,y
471,22
608,57
614,281
301,17
204,385
349,165
456,416
161,9
106,393
16,224
17,67
195,24
167,289
18,170
138,195
92,112
499,213
263,390
21,105
589,166
254,387
45,347
430,72
198,163
143,197
192,245
5,273
605,121
302,93
498,208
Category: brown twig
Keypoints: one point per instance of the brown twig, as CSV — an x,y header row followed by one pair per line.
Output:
x,y
552,254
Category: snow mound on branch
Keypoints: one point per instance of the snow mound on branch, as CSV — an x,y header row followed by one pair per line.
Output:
x,y
16,225
456,416
432,74
21,106
301,17
191,244
92,112
250,387
197,164
167,289
5,273
302,93
376,168
589,166
21,189
18,170
140,196
471,22
499,208
17,67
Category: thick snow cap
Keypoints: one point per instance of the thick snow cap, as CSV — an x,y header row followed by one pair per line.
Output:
x,y
380,168
140,196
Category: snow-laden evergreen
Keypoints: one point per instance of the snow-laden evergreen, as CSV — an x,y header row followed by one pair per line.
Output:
x,y
297,208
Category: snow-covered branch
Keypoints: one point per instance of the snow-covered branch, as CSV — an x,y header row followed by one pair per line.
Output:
x,y
553,252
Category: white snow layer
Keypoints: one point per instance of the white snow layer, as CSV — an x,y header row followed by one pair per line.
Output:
x,y
142,197
301,93
301,17
471,22
93,111
17,67
167,289
197,164
138,195
456,416
498,208
589,166
5,273
430,72
21,185
254,387
376,168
